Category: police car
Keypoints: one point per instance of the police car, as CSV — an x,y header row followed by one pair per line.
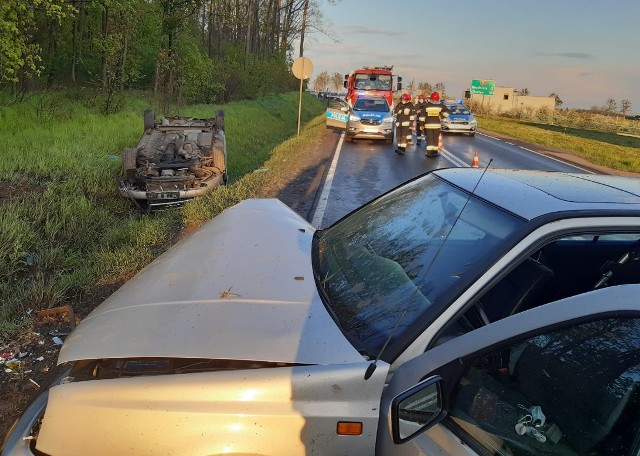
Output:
x,y
460,120
369,118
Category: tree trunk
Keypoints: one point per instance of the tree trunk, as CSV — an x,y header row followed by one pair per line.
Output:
x,y
74,44
105,34
124,61
303,27
247,48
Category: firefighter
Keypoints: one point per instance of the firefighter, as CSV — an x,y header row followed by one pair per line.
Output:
x,y
434,113
405,116
420,116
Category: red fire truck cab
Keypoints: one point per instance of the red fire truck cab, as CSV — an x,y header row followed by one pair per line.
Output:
x,y
371,81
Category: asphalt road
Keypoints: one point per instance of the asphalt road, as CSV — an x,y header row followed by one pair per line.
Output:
x,y
364,169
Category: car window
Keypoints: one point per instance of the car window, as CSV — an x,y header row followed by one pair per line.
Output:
x,y
567,392
369,104
383,267
458,110
562,268
372,82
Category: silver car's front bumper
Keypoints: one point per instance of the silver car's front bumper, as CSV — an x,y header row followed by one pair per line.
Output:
x,y
459,127
383,130
168,199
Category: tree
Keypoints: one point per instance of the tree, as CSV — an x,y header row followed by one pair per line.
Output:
x,y
558,101
625,106
321,82
523,92
337,82
411,86
426,88
20,55
611,106
439,87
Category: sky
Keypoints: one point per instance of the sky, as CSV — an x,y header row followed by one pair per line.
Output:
x,y
586,51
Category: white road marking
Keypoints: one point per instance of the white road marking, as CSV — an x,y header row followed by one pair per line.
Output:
x,y
326,187
511,144
558,160
492,137
453,159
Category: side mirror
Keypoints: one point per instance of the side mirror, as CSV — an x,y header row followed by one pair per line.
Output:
x,y
399,86
417,409
399,78
344,84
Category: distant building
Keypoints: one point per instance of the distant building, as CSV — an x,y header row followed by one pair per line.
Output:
x,y
506,99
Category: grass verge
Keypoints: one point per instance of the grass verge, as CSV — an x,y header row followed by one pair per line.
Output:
x,y
601,148
66,236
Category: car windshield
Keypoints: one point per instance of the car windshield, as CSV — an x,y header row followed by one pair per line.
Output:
x,y
373,82
388,263
368,104
458,110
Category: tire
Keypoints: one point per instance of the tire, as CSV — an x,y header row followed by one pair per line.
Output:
x,y
219,158
220,120
348,138
149,117
129,163
472,134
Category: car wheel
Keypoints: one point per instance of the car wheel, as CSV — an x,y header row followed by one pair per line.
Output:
x,y
219,161
149,117
472,134
129,163
220,120
348,138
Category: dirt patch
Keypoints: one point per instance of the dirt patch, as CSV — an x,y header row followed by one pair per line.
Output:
x,y
34,353
16,189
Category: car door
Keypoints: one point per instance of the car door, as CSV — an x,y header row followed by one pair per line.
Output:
x,y
337,114
559,379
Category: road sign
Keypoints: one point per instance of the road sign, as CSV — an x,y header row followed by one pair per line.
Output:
x,y
482,86
302,68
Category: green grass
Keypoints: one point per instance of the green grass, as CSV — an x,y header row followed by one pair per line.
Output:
x,y
602,148
68,234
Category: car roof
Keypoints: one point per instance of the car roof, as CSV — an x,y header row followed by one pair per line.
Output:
x,y
531,194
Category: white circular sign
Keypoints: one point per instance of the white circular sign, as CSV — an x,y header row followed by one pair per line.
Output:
x,y
302,68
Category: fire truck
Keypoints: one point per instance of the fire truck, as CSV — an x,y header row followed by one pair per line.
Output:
x,y
371,81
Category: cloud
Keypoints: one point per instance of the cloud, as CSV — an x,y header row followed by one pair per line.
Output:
x,y
365,30
569,55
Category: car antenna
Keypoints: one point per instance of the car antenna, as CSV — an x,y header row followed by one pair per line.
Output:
x,y
372,367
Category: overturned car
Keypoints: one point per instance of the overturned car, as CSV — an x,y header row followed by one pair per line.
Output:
x,y
177,159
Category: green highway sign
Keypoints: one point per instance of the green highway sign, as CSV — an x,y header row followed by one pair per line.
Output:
x,y
482,86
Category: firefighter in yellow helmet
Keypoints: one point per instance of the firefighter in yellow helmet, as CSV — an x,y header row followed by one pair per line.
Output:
x,y
434,113
405,116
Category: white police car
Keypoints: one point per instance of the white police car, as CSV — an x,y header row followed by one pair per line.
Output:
x,y
369,118
460,120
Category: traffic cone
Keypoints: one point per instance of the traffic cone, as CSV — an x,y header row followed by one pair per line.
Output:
x,y
440,146
475,163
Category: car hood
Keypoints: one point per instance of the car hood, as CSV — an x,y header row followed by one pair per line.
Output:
x,y
241,288
460,116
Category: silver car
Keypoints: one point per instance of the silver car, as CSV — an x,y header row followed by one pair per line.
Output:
x,y
467,312
459,120
368,118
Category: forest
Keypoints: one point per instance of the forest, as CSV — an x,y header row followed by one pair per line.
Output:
x,y
191,51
